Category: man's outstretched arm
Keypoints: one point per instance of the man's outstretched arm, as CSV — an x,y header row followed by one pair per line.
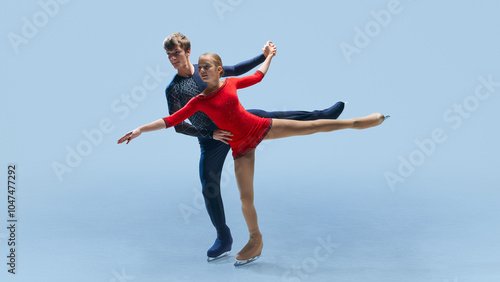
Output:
x,y
247,65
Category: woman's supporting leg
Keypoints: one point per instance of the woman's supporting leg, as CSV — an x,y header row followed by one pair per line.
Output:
x,y
244,169
288,128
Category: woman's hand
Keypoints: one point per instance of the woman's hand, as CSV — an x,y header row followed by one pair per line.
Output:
x,y
271,52
269,49
129,136
222,135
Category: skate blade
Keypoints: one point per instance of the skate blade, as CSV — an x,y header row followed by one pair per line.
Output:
x,y
223,255
243,262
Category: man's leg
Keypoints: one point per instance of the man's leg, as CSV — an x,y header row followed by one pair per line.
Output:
x,y
331,113
213,154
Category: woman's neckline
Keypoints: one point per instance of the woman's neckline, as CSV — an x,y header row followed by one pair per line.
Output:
x,y
213,93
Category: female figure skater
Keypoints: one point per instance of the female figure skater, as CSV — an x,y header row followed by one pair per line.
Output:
x,y
220,102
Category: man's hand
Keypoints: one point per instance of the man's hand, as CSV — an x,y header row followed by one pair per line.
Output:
x,y
222,135
269,48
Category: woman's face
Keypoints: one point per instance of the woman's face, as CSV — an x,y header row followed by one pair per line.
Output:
x,y
207,69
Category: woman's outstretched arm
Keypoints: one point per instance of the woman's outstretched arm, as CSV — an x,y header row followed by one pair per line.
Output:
x,y
155,125
246,66
185,112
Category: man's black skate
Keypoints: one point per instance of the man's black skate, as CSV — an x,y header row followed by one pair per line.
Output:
x,y
221,247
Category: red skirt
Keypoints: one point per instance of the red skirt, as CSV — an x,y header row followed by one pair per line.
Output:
x,y
252,139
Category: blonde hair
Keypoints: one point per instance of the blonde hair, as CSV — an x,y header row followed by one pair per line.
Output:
x,y
217,61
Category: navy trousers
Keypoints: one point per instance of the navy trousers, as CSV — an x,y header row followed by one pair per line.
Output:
x,y
214,152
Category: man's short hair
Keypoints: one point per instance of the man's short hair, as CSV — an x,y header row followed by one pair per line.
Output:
x,y
176,39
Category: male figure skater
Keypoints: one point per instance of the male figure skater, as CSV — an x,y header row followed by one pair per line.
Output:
x,y
213,141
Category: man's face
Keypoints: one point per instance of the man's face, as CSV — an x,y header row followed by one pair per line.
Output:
x,y
178,57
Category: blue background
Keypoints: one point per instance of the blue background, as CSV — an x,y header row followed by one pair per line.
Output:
x,y
135,213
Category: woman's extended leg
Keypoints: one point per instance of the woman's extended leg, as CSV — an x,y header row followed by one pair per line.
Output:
x,y
244,169
288,128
